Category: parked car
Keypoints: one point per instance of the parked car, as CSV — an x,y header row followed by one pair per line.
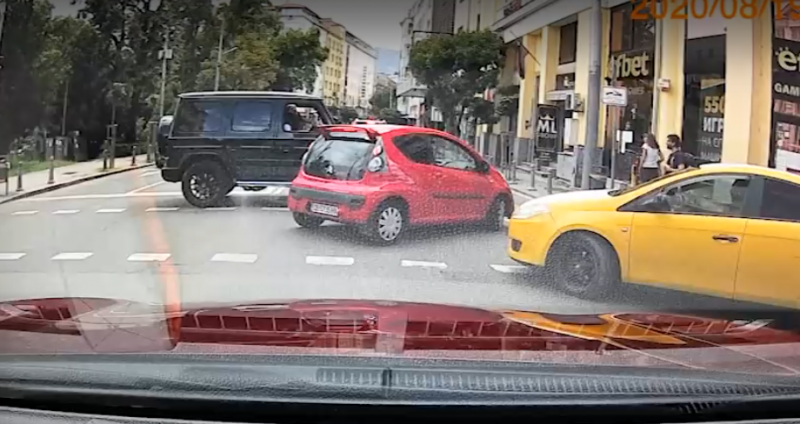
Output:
x,y
384,178
724,230
219,140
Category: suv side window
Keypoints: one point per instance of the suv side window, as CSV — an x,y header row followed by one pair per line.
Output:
x,y
416,147
198,117
716,195
448,154
781,201
251,116
300,117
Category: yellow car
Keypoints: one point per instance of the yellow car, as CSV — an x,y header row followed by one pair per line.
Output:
x,y
724,230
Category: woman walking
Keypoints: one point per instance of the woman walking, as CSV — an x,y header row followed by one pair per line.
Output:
x,y
650,161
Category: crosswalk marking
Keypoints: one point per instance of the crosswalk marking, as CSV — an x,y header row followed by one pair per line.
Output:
x,y
18,213
330,260
423,264
509,269
66,212
240,258
72,256
119,210
162,209
11,256
148,257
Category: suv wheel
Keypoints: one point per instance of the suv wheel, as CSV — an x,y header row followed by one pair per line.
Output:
x,y
388,223
307,221
205,184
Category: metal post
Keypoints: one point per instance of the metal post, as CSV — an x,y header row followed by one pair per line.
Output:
x,y
150,142
219,55
112,151
134,151
51,178
105,154
164,57
19,166
551,173
614,128
533,172
593,95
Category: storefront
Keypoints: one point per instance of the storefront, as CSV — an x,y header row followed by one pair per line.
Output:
x,y
784,145
632,53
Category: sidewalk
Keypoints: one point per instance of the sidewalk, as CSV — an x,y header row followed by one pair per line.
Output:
x,y
36,182
522,184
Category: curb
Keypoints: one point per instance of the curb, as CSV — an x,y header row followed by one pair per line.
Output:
x,y
69,183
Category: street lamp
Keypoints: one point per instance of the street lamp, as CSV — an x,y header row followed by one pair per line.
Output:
x,y
220,53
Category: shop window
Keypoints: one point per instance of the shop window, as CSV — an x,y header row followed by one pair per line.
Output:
x,y
568,46
629,34
785,140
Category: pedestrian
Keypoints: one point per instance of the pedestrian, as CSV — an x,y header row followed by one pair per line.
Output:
x,y
650,161
676,160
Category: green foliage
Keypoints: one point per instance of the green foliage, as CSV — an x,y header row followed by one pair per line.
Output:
x,y
299,54
508,100
456,68
347,114
382,99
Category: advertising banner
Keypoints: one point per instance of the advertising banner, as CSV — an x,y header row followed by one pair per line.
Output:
x,y
548,132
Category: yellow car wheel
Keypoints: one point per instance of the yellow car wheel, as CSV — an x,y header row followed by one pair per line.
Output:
x,y
583,265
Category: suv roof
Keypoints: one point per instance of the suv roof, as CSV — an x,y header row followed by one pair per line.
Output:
x,y
253,94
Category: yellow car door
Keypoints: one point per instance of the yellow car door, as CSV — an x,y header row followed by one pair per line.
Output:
x,y
688,235
771,249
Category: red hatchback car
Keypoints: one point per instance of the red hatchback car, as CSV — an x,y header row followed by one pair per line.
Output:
x,y
384,178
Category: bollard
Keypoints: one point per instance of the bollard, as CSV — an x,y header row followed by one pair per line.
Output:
x,y
7,164
133,155
550,174
105,155
51,177
533,173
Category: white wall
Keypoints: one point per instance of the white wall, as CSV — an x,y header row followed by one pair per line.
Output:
x,y
462,15
361,74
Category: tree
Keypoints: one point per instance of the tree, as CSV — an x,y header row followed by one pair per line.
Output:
x,y
23,40
348,114
383,98
456,68
299,55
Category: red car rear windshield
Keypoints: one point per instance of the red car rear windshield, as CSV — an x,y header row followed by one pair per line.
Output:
x,y
339,158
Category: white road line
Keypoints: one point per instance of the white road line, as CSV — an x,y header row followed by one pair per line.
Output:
x,y
155,184
224,209
25,213
120,210
329,260
72,256
11,256
239,258
66,212
161,209
509,269
423,264
149,257
105,196
150,172
275,208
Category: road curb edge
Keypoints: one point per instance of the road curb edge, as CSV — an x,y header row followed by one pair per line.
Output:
x,y
69,183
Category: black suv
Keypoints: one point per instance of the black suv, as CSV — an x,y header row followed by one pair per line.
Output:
x,y
219,140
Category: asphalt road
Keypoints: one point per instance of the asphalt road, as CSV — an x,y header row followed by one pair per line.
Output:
x,y
133,236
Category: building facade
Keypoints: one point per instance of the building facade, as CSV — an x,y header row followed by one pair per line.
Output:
x,y
474,15
425,18
729,87
362,61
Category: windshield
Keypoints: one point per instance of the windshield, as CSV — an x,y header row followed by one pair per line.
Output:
x,y
481,181
340,159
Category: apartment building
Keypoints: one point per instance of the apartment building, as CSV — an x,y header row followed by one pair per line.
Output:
x,y
425,18
340,75
474,15
362,61
730,87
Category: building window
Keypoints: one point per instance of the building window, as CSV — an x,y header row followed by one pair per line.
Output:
x,y
785,142
568,46
628,34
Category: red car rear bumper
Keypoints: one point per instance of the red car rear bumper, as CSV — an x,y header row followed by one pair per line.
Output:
x,y
352,208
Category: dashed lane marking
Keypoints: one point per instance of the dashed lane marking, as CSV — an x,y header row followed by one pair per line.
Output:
x,y
423,264
120,210
72,256
509,269
239,258
66,212
11,256
18,213
330,260
124,195
148,257
276,208
155,184
161,209
224,209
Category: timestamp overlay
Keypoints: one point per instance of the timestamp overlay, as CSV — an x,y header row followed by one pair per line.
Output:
x,y
700,9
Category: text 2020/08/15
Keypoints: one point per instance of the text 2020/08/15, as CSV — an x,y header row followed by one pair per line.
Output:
x,y
701,9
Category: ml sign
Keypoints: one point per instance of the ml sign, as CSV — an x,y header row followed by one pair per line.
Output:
x,y
548,131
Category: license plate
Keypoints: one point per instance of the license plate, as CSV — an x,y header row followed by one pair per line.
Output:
x,y
324,209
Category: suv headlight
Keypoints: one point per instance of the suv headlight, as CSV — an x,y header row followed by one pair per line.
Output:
x,y
530,209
